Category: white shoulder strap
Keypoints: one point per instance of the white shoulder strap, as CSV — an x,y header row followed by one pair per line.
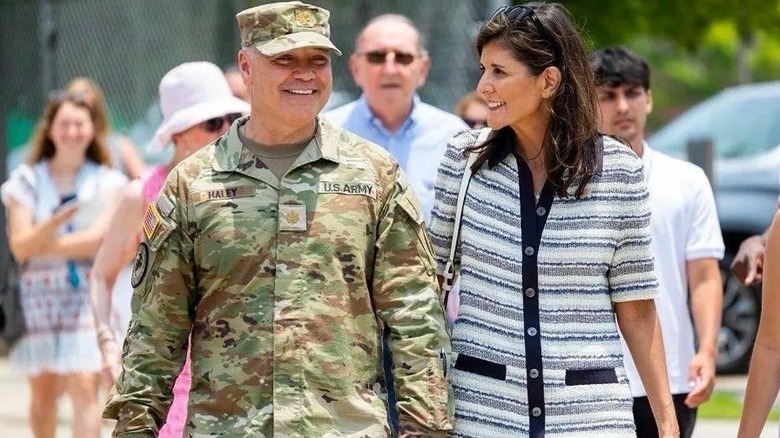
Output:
x,y
450,268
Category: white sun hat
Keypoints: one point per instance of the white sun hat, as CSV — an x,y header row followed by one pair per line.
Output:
x,y
192,93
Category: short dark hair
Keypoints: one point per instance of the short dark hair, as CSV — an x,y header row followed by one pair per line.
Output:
x,y
617,65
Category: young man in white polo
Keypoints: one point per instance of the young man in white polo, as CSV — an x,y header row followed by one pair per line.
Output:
x,y
687,244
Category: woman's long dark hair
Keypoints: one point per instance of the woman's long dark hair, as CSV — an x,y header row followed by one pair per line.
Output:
x,y
569,144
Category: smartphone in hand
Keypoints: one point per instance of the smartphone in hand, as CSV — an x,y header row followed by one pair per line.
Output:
x,y
68,201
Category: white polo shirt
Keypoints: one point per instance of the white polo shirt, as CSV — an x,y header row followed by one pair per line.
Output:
x,y
684,223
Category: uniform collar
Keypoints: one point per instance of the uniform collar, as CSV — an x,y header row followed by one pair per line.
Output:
x,y
232,156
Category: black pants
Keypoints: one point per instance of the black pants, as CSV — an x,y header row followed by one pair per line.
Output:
x,y
645,421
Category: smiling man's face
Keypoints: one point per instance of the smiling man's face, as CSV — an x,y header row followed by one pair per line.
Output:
x,y
292,86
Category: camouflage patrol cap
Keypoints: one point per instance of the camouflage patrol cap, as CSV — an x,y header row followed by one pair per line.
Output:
x,y
279,27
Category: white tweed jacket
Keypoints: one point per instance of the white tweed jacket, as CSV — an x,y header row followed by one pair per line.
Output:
x,y
535,345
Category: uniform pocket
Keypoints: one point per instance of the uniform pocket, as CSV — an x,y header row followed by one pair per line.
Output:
x,y
479,366
594,376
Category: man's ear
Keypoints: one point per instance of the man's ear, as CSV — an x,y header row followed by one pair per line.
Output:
x,y
649,101
243,66
551,80
425,67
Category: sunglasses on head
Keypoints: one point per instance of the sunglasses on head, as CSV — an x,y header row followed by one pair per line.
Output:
x,y
215,124
379,57
519,13
59,96
474,123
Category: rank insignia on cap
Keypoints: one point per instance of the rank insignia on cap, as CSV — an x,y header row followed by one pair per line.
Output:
x,y
304,18
152,220
292,217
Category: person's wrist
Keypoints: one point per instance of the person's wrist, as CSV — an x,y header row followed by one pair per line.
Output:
x,y
104,334
709,352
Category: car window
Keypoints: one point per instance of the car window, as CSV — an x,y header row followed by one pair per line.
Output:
x,y
740,125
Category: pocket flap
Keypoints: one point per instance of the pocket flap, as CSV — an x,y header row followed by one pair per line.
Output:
x,y
593,376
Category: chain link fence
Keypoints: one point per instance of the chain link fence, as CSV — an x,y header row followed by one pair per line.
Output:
x,y
126,47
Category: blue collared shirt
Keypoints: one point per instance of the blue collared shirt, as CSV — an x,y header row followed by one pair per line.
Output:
x,y
418,145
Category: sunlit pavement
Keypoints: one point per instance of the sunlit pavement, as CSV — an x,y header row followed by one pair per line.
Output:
x,y
15,396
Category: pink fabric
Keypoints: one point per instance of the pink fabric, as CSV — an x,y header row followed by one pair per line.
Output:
x,y
153,181
177,414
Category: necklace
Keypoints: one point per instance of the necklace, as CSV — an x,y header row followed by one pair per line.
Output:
x,y
537,195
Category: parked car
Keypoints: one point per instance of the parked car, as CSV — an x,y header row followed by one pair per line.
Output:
x,y
743,123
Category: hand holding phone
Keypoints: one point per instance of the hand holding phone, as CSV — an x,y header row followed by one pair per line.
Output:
x,y
67,208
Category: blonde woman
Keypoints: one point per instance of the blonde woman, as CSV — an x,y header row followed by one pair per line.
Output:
x,y
58,206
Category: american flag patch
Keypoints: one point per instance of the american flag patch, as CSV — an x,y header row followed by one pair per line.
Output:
x,y
152,220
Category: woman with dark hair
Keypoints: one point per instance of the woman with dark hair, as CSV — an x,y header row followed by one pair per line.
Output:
x,y
58,205
554,249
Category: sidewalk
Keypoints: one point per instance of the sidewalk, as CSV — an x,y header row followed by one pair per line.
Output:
x,y
14,402
14,398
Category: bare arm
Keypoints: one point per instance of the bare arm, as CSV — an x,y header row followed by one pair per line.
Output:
x,y
131,159
642,332
764,376
115,251
26,238
706,298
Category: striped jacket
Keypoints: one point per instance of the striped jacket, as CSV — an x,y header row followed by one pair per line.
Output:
x,y
536,347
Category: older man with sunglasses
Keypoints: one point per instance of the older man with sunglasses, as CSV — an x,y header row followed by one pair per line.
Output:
x,y
389,65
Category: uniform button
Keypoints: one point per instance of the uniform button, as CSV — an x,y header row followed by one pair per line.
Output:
x,y
536,412
529,251
530,292
541,211
533,373
531,331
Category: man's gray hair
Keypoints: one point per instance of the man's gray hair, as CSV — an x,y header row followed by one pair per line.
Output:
x,y
395,18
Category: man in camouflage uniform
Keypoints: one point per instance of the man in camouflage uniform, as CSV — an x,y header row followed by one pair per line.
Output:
x,y
280,247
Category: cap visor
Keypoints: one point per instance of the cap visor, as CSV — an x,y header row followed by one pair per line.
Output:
x,y
294,41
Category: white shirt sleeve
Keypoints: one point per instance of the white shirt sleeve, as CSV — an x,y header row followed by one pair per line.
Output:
x,y
704,239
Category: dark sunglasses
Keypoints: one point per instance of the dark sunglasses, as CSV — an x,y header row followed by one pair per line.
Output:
x,y
379,57
215,124
519,13
473,124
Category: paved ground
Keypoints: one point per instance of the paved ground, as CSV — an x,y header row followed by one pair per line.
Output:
x,y
14,398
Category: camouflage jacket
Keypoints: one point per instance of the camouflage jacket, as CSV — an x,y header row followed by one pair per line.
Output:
x,y
283,285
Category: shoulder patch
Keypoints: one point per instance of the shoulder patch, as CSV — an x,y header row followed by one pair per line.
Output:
x,y
141,265
152,220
